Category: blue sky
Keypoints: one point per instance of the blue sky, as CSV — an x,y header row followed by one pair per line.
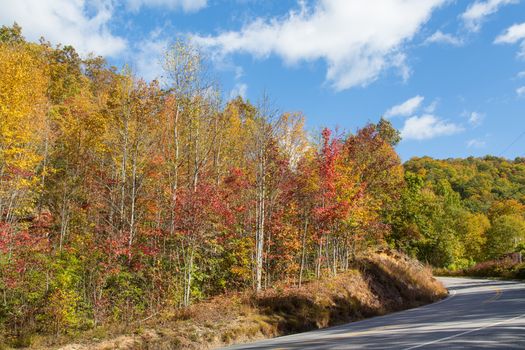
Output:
x,y
449,74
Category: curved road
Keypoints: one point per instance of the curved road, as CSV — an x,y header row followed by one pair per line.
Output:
x,y
478,314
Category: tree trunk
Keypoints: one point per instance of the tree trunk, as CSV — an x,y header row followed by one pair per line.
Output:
x,y
319,259
175,171
64,219
334,257
260,221
188,277
303,250
123,174
133,202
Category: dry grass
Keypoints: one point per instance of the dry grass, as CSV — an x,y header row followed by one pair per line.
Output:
x,y
378,284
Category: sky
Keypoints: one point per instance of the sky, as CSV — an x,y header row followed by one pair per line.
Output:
x,y
450,75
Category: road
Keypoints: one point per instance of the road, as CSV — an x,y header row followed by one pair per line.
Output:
x,y
481,314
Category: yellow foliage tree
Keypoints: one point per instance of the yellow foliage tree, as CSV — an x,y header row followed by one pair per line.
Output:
x,y
23,107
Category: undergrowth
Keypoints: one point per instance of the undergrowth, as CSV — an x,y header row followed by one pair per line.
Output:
x,y
374,285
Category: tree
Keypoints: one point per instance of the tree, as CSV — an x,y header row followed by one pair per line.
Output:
x,y
505,207
505,234
262,137
387,132
22,118
11,35
473,232
120,199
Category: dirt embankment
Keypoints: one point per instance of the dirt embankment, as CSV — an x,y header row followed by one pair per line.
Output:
x,y
377,285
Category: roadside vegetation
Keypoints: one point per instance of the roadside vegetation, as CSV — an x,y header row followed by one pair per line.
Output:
x,y
375,285
124,202
466,215
505,268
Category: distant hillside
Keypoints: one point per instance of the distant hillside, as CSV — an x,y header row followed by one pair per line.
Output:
x,y
479,181
455,212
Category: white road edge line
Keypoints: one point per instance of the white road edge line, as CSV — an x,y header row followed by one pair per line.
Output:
x,y
466,332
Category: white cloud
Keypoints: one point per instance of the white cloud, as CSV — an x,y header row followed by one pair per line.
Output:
x,y
475,118
440,37
239,72
475,143
521,91
476,13
185,5
79,23
239,89
521,75
431,108
358,40
399,62
406,108
426,127
512,35
148,55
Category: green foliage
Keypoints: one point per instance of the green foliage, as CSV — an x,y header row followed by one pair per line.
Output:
x,y
424,224
505,234
462,211
125,293
472,230
387,132
479,181
64,311
11,35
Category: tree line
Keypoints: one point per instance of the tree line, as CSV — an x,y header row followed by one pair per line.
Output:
x,y
120,198
457,212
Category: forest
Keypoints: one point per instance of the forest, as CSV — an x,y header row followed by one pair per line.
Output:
x,y
121,197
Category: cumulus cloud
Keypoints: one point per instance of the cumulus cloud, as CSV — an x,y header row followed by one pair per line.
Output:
x,y
440,37
185,5
476,13
475,143
79,23
239,72
431,108
422,126
521,91
513,35
148,55
406,108
358,40
475,118
426,127
239,89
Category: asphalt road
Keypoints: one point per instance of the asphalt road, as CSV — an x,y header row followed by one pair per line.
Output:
x,y
478,314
